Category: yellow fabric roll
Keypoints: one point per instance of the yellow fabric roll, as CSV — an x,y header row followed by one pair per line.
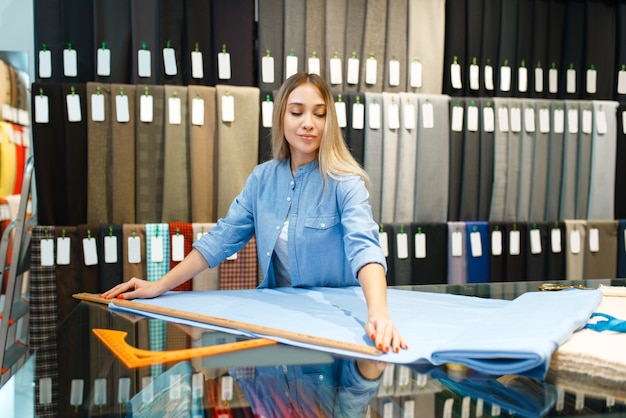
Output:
x,y
7,160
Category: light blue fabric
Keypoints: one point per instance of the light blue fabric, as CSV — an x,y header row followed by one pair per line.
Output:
x,y
331,230
489,335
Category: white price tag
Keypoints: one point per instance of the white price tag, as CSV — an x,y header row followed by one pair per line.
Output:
x,y
539,80
601,125
103,57
70,63
178,247
522,79
267,109
472,118
156,253
335,71
416,74
489,124
455,76
516,119
514,242
291,65
90,253
197,65
371,71
174,111
496,243
342,118
457,119
228,108
197,111
122,111
570,81
144,63
594,240
394,73
476,244
314,65
591,81
47,252
393,116
384,242
408,116
374,116
74,113
358,116
559,121
223,66
587,122
402,246
428,116
97,108
529,119
63,251
574,242
110,249
45,64
169,61
621,80
146,108
555,240
503,119
353,71
457,244
553,80
505,78
474,77
535,241
489,85
572,121
134,250
544,120
267,69
420,245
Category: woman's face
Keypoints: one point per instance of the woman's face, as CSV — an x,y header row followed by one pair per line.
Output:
x,y
304,121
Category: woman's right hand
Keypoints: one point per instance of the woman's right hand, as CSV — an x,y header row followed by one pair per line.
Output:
x,y
134,289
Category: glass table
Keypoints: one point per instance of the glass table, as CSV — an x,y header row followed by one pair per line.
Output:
x,y
88,379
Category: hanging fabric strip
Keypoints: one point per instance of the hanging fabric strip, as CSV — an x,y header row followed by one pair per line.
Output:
x,y
407,157
373,157
123,151
374,39
601,252
271,32
134,251
457,253
391,119
574,245
209,278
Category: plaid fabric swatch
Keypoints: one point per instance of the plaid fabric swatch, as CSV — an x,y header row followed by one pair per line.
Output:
x,y
184,229
43,320
130,270
209,278
155,270
240,273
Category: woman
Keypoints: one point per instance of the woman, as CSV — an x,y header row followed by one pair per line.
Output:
x,y
308,208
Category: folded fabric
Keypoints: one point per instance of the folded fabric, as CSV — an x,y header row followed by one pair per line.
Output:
x,y
492,336
597,355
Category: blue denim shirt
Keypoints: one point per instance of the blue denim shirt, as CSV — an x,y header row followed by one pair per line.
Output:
x,y
332,233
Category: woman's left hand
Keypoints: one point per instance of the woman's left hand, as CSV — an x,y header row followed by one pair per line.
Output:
x,y
385,334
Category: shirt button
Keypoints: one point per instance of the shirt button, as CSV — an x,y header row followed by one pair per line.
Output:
x,y
323,225
291,183
289,199
267,253
278,227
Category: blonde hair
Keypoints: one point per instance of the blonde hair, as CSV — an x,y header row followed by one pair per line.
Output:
x,y
334,158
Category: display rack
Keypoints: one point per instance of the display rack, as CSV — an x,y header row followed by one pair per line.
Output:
x,y
14,347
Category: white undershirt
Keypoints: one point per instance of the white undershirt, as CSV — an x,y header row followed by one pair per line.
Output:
x,y
281,257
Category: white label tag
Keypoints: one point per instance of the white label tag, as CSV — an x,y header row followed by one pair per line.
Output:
x,y
476,244
402,246
169,61
146,108
624,122
77,388
522,79
555,240
384,243
553,80
178,247
226,388
448,406
535,241
570,81
197,111
291,65
457,244
601,125
514,243
267,109
314,65
371,71
122,110
144,63
45,64
174,388
489,124
455,76
466,404
559,121
529,119
104,62
197,385
409,409
90,254
267,69
474,77
420,245
197,65
539,80
591,81
73,108
516,119
393,116
457,119
428,116
70,63
416,74
388,410
496,243
110,249
408,116
47,252
472,118
97,108
232,257
489,78
223,66
572,121
594,240
156,253
228,109
41,109
353,71
342,118
134,250
503,119
587,121
544,120
505,78
621,80
63,251
174,111
336,75
374,116
394,73
574,242
358,116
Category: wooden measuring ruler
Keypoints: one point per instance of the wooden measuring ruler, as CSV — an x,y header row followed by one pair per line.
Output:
x,y
134,357
234,324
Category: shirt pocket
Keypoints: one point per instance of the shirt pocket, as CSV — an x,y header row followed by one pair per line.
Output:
x,y
321,222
